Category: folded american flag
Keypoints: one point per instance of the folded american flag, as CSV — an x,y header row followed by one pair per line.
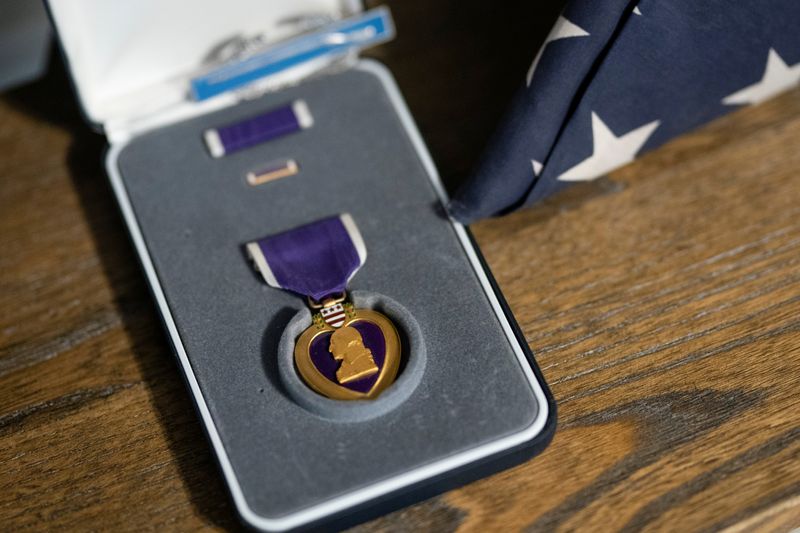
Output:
x,y
616,78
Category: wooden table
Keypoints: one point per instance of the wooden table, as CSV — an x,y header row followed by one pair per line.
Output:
x,y
663,305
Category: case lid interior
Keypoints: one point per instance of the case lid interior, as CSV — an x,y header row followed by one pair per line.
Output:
x,y
134,58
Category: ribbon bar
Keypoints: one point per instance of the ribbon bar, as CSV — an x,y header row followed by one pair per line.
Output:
x,y
316,260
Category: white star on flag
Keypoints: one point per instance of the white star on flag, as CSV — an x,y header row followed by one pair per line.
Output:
x,y
563,29
778,77
537,167
609,152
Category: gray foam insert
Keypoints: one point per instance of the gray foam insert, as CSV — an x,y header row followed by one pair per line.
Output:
x,y
195,214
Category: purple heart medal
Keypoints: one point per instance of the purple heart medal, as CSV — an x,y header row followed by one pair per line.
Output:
x,y
346,353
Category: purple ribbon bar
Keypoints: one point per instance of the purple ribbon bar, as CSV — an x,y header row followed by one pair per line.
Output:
x,y
315,260
270,125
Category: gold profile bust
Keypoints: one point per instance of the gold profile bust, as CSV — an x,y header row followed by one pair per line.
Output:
x,y
347,346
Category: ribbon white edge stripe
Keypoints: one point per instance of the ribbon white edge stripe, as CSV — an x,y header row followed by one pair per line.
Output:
x,y
255,253
358,241
214,143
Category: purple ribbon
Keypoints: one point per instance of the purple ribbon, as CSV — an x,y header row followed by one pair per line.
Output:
x,y
264,127
315,260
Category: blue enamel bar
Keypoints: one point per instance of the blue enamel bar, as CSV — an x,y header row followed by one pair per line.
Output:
x,y
367,29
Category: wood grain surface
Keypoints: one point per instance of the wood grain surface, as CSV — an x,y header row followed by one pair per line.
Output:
x,y
662,303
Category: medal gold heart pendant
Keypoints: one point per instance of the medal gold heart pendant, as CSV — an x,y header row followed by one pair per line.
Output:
x,y
346,353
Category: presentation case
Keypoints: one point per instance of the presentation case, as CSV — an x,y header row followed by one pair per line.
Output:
x,y
469,399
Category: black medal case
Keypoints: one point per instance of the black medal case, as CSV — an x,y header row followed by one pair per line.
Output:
x,y
469,399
